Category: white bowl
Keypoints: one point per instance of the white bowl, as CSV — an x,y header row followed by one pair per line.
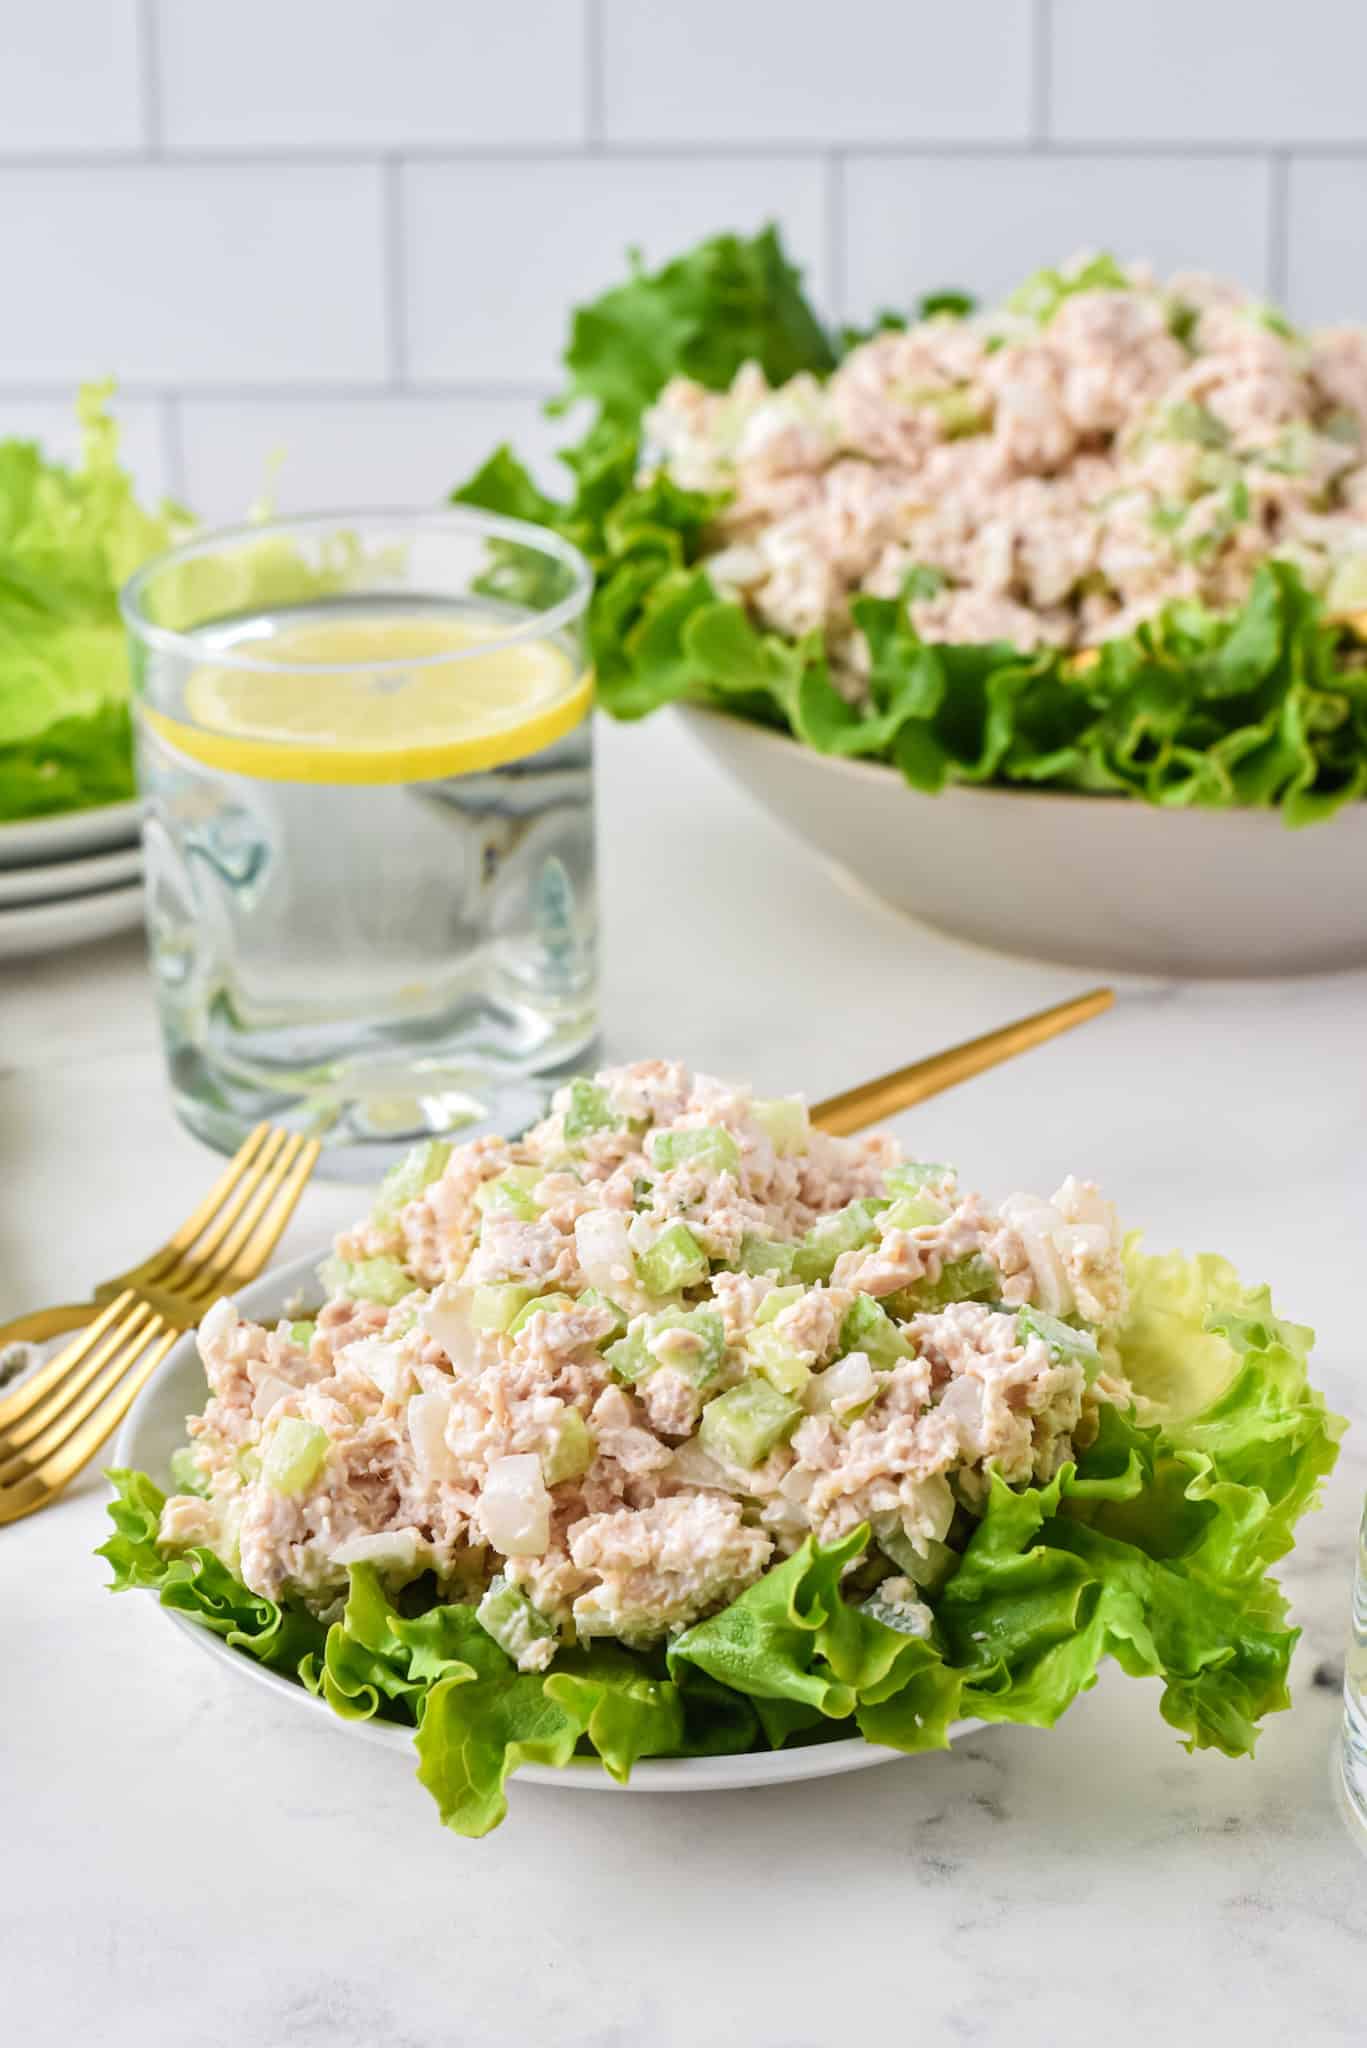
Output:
x,y
156,1425
1089,881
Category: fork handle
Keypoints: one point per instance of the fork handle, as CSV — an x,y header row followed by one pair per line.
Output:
x,y
48,1322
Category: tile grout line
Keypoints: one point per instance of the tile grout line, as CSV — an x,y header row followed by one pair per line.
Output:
x,y
394,269
737,149
1278,251
149,77
476,389
1041,63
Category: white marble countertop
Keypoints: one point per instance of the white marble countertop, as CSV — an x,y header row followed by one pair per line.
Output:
x,y
184,1862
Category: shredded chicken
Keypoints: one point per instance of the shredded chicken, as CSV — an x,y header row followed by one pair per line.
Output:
x,y
1041,481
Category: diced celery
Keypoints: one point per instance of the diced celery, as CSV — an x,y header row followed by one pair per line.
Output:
x,y
571,1454
333,1273
295,1454
380,1279
405,1182
248,1463
302,1332
845,1231
641,1192
769,1352
711,1147
675,1260
628,1358
867,1327
692,1341
776,1301
1075,1347
927,1564
697,1354
592,1297
540,1304
762,1255
589,1110
185,1472
908,1212
509,1617
973,1278
494,1308
510,1194
913,1175
785,1121
742,1426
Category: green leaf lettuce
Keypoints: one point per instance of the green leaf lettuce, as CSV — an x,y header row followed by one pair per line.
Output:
x,y
69,538
1153,1547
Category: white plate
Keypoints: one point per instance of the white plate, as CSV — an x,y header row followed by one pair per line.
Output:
x,y
1090,881
49,927
55,880
156,1426
27,840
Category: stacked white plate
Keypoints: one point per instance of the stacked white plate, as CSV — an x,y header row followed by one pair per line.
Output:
x,y
69,878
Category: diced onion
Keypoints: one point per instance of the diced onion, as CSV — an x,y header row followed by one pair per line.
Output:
x,y
692,1466
382,1364
447,1318
398,1547
604,1251
1037,1223
928,1507
847,1385
963,1402
515,1508
222,1318
269,1389
433,1456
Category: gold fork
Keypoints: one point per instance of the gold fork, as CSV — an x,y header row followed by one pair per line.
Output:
x,y
56,1419
872,1101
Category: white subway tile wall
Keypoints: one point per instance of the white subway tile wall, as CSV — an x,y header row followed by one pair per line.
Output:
x,y
499,252
348,234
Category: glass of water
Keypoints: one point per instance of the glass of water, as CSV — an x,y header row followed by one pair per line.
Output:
x,y
365,752
1354,1759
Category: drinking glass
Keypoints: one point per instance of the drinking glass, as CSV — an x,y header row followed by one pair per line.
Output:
x,y
1354,1752
364,746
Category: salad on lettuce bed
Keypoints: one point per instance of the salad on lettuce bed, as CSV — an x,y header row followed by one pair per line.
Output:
x,y
1106,538
678,1428
69,538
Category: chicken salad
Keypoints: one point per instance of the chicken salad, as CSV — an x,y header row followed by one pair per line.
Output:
x,y
678,1424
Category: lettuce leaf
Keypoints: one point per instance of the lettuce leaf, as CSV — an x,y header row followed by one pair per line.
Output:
x,y
1256,709
727,302
1153,1547
69,538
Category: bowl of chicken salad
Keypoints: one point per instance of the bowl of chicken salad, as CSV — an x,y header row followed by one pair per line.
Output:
x,y
1046,621
681,1444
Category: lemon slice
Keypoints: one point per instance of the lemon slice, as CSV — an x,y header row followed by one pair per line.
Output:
x,y
304,721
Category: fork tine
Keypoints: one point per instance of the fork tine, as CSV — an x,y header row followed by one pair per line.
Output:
x,y
36,1416
214,1278
152,1270
44,1436
183,1270
36,1385
267,1233
45,1481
